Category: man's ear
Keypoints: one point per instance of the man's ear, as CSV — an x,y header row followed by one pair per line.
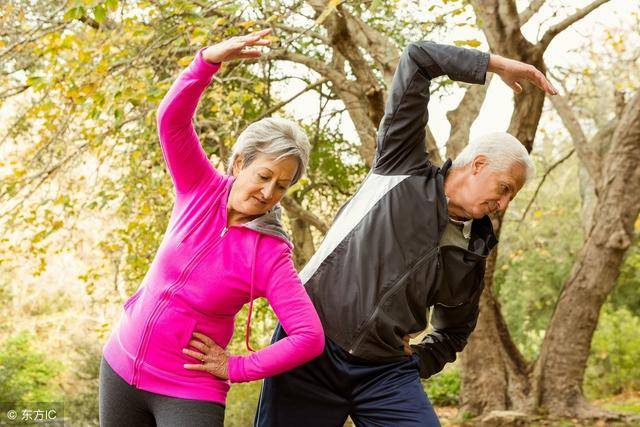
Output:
x,y
238,164
479,163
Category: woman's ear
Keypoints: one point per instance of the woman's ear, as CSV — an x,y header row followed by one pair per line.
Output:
x,y
238,164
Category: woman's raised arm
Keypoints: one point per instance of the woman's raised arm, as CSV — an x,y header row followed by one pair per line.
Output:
x,y
186,160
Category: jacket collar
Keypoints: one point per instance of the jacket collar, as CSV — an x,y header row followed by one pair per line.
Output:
x,y
483,239
270,224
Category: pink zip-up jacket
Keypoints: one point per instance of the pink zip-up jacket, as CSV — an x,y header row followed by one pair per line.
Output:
x,y
204,272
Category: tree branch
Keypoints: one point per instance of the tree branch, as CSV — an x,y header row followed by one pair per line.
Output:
x,y
315,64
588,157
544,177
567,22
281,104
432,147
295,210
464,115
531,10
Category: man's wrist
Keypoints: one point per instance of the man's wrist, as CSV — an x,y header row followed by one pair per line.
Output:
x,y
496,63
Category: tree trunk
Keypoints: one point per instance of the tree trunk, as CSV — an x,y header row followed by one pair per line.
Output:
x,y
302,242
563,356
506,382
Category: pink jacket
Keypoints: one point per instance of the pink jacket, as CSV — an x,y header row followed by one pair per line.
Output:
x,y
204,272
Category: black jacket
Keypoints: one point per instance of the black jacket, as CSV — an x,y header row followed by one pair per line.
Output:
x,y
380,269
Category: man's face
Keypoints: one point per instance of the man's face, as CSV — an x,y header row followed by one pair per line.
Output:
x,y
487,191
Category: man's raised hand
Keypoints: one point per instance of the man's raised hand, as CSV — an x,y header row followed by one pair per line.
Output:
x,y
514,72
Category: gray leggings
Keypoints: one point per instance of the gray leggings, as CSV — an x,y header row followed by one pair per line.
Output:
x,y
124,405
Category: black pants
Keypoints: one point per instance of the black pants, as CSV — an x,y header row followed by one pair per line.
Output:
x,y
323,392
124,405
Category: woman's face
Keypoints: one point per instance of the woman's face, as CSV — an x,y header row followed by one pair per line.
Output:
x,y
261,184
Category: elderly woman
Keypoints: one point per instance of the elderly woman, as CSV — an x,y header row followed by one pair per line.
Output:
x,y
165,364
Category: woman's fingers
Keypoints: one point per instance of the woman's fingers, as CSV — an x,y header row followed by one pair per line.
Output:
x,y
196,355
260,33
249,53
259,42
199,345
198,367
205,339
263,32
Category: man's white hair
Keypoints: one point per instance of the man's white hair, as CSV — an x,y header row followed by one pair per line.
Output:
x,y
275,137
502,151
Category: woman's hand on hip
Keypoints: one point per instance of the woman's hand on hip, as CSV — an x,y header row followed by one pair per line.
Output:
x,y
213,358
238,47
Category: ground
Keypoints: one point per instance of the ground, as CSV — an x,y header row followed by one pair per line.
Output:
x,y
627,403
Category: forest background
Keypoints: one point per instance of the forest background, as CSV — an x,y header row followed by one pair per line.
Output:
x,y
85,196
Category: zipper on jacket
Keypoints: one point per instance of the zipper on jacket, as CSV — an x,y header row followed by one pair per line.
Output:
x,y
224,231
388,293
164,299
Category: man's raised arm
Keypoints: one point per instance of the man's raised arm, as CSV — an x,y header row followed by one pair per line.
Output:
x,y
400,141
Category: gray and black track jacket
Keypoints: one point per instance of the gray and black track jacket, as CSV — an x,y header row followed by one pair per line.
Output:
x,y
380,269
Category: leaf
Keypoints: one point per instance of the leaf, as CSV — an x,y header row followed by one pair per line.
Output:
x,y
74,13
470,43
112,5
99,14
331,6
185,60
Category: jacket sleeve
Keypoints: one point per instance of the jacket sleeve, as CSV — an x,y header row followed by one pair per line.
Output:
x,y
298,317
400,146
451,329
186,160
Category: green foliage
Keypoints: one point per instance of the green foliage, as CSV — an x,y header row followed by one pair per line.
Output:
x,y
81,405
613,363
443,389
242,401
26,374
535,256
626,293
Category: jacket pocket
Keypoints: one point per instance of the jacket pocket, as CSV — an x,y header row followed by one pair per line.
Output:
x,y
399,310
173,329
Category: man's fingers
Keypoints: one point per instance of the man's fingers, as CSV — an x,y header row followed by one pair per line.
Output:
x,y
536,77
516,87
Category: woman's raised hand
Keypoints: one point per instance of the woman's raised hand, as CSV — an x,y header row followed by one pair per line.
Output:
x,y
238,47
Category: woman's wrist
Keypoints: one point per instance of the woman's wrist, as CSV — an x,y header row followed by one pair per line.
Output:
x,y
209,56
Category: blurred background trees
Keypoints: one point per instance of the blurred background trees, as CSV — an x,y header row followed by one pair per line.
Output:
x,y
85,197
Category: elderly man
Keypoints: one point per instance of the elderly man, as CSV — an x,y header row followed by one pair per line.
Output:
x,y
414,238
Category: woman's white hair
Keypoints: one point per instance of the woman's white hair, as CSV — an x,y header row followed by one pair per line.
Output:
x,y
502,151
273,137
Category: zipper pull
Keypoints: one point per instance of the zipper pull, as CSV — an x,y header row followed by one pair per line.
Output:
x,y
224,231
